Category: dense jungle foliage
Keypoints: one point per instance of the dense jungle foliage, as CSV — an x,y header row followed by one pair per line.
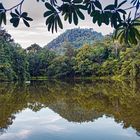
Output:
x,y
104,58
13,59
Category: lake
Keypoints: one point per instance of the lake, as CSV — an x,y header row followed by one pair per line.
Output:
x,y
70,110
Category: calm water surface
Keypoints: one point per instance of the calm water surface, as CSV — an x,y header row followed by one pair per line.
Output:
x,y
76,110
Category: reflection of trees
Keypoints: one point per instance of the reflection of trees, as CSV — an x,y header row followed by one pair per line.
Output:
x,y
76,101
75,113
5,123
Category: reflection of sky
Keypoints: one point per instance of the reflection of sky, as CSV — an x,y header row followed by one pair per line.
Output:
x,y
47,125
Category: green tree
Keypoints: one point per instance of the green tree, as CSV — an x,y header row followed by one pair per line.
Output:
x,y
33,48
13,62
90,58
61,67
20,64
69,50
130,62
39,60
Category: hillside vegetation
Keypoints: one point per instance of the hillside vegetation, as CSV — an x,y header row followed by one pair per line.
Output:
x,y
76,37
103,58
13,62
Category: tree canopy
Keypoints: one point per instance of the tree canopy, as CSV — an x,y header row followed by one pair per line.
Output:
x,y
123,20
13,62
103,58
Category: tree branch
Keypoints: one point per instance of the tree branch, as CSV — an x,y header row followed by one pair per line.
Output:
x,y
16,6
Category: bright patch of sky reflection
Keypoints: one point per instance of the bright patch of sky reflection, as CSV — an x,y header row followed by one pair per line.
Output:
x,y
48,125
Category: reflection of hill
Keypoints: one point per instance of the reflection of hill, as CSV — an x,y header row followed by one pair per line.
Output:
x,y
76,102
75,113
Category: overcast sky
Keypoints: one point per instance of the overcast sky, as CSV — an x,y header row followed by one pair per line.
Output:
x,y
38,33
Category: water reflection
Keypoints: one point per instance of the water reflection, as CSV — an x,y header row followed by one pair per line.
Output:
x,y
75,101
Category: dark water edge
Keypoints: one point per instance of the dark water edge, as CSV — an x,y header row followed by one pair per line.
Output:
x,y
78,103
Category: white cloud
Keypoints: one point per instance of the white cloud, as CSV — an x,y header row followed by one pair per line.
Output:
x,y
55,128
23,133
16,135
50,119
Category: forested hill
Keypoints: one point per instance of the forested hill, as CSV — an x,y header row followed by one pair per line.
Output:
x,y
76,37
104,58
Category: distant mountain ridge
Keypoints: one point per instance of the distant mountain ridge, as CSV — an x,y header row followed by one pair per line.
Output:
x,y
77,37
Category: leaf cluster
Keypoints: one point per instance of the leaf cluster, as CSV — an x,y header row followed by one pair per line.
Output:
x,y
75,10
16,17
